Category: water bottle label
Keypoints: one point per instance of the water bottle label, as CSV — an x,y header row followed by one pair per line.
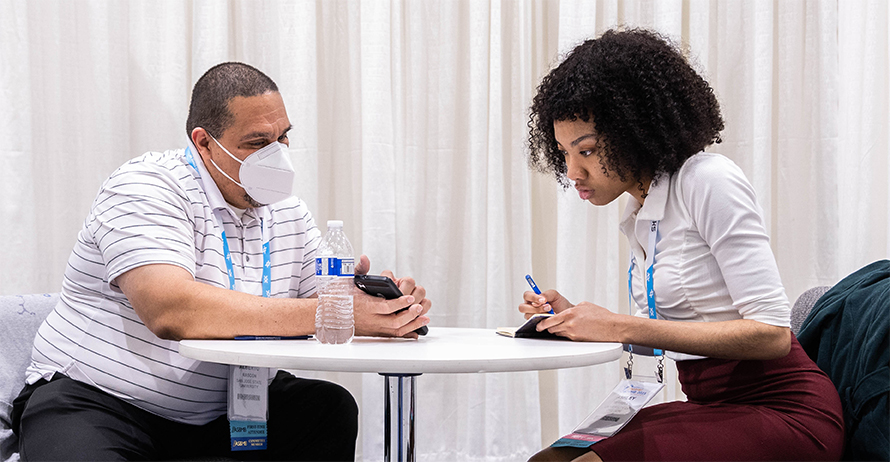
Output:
x,y
328,266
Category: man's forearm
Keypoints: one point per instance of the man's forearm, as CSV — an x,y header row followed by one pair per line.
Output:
x,y
174,306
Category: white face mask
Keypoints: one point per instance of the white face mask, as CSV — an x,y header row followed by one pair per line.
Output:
x,y
267,175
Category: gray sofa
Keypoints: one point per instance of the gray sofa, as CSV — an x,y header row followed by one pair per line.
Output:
x,y
20,316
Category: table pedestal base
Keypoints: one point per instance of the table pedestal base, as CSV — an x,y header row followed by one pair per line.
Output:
x,y
399,390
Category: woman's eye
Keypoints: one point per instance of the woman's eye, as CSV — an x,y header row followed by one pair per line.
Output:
x,y
563,153
586,153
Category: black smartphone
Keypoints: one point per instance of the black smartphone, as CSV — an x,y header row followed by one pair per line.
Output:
x,y
382,286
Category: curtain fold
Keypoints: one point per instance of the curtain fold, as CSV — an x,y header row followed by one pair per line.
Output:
x,y
409,122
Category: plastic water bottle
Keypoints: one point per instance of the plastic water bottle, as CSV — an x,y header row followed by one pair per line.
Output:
x,y
334,272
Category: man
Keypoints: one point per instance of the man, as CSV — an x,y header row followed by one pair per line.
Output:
x,y
173,248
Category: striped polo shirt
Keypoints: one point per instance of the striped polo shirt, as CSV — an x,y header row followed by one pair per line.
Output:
x,y
158,208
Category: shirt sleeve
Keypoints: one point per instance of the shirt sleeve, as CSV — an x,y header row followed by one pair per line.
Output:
x,y
723,206
142,216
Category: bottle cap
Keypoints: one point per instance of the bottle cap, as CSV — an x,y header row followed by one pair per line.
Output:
x,y
335,224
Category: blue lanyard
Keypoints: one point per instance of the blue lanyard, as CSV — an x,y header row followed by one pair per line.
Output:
x,y
267,265
650,270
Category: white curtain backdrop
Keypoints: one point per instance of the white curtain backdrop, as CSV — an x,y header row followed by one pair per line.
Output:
x,y
409,123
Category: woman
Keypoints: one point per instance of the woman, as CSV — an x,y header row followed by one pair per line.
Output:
x,y
627,113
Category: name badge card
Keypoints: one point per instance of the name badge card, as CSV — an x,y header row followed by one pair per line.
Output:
x,y
248,407
622,404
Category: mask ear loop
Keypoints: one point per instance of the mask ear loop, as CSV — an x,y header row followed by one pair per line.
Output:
x,y
230,155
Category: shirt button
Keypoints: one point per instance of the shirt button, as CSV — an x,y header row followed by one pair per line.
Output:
x,y
247,257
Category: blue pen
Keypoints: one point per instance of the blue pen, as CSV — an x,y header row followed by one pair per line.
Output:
x,y
531,282
272,337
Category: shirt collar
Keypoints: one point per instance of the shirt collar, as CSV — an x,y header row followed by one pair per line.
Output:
x,y
653,207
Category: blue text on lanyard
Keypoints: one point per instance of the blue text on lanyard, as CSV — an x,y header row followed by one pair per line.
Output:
x,y
267,265
650,270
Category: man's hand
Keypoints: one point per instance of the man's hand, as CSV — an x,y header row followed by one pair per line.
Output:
x,y
363,265
375,316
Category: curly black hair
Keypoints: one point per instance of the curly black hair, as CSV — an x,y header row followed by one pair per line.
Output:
x,y
650,109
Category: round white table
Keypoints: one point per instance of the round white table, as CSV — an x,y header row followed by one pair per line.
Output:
x,y
443,350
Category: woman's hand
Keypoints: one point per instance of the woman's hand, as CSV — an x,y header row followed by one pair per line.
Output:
x,y
584,322
536,304
737,339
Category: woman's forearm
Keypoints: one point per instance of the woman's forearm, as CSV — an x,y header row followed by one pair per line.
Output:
x,y
737,339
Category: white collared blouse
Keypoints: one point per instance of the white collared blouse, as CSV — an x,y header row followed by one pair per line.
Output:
x,y
713,261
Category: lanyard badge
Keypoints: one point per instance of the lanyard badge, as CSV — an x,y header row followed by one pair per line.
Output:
x,y
248,392
622,404
248,396
248,407
629,396
650,301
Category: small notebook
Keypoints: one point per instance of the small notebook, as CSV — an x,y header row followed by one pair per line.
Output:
x,y
528,330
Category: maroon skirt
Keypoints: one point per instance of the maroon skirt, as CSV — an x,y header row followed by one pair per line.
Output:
x,y
782,409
